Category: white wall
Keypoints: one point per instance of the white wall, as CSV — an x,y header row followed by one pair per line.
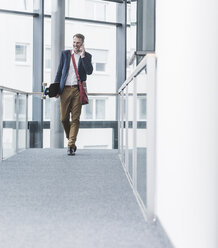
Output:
x,y
187,121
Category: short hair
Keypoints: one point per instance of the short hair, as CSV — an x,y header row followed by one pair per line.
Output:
x,y
80,36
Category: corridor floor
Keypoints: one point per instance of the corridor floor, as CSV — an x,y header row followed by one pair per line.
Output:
x,y
51,200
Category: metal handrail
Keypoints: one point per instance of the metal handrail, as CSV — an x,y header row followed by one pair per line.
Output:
x,y
135,54
17,93
137,70
148,63
13,90
38,93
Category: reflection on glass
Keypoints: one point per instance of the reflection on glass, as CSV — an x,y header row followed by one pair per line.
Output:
x,y
99,59
88,110
48,58
100,109
130,133
131,36
9,132
142,102
47,109
21,122
21,52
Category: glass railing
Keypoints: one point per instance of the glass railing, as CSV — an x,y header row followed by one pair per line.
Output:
x,y
13,121
137,108
98,124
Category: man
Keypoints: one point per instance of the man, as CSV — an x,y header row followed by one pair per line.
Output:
x,y
69,89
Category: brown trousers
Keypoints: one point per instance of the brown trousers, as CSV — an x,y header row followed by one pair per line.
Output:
x,y
70,103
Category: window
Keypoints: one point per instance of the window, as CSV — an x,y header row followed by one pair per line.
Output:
x,y
47,109
142,105
99,59
21,53
100,109
95,110
89,110
48,58
95,10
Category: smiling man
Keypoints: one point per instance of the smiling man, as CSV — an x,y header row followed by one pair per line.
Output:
x,y
69,88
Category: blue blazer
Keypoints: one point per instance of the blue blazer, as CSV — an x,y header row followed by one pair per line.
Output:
x,y
84,68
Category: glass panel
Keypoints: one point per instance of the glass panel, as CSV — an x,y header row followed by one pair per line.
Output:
x,y
141,135
48,58
47,50
131,35
100,109
98,55
122,102
21,122
88,110
21,52
16,51
88,9
21,5
9,126
142,102
100,67
98,138
47,109
130,133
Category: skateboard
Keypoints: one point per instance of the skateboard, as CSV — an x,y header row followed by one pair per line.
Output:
x,y
50,91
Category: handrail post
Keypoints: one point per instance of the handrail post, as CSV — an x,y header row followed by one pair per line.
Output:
x,y
127,129
151,135
17,121
134,127
1,125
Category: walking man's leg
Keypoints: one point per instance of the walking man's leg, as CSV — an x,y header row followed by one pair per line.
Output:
x,y
65,107
75,118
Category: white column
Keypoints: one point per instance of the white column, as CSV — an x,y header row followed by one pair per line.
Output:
x,y
187,121
1,125
57,45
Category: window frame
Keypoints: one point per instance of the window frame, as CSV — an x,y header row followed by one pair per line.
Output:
x,y
94,112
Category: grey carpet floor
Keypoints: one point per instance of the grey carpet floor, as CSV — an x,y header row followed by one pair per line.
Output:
x,y
51,200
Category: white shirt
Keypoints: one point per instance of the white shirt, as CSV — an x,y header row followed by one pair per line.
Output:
x,y
71,78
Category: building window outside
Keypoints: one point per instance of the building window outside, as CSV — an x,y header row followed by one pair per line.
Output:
x,y
99,60
88,110
95,10
48,58
100,109
21,53
142,108
95,110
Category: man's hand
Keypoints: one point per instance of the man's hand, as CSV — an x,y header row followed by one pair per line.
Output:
x,y
82,50
57,95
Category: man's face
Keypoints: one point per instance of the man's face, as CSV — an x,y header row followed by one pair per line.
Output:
x,y
77,43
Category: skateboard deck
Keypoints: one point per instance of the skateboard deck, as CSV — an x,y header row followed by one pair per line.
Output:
x,y
50,91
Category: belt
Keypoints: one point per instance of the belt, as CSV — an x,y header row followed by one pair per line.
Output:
x,y
71,86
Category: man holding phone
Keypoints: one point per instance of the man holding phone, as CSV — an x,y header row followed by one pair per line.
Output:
x,y
69,88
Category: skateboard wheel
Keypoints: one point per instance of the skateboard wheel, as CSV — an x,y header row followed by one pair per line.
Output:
x,y
44,84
